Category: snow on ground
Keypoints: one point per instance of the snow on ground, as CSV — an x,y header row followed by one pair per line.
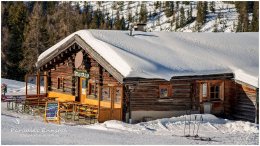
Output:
x,y
26,129
18,88
19,128
167,54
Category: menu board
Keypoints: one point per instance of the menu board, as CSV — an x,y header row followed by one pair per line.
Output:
x,y
52,111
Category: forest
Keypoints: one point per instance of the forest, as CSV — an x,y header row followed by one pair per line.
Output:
x,y
29,28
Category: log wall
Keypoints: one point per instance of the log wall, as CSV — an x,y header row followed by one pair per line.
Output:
x,y
244,103
144,95
63,70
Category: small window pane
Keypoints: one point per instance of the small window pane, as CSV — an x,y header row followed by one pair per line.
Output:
x,y
217,95
217,88
163,92
84,84
212,94
105,94
204,90
212,89
118,94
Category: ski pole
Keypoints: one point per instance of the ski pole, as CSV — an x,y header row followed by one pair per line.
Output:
x,y
195,116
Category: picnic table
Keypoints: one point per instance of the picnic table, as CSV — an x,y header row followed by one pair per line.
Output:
x,y
78,110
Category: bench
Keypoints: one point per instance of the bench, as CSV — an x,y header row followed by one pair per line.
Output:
x,y
86,112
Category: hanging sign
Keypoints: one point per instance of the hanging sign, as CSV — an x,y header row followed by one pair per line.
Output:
x,y
78,59
52,112
79,73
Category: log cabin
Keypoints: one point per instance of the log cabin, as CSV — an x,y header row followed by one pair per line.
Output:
x,y
151,75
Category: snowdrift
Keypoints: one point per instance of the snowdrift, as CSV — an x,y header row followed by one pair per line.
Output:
x,y
176,125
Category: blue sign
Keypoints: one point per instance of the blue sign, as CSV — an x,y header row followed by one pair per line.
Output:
x,y
52,111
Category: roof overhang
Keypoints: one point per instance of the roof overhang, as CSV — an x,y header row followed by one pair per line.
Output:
x,y
77,39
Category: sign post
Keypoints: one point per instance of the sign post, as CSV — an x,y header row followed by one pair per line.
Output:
x,y
52,112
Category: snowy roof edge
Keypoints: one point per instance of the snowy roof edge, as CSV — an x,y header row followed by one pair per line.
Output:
x,y
86,36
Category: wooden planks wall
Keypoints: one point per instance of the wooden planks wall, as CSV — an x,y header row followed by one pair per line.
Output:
x,y
145,95
65,71
245,98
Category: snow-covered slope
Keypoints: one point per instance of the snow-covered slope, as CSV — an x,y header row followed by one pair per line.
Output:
x,y
167,54
224,19
18,88
29,130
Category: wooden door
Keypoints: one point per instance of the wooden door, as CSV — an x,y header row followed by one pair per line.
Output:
x,y
113,102
83,89
116,103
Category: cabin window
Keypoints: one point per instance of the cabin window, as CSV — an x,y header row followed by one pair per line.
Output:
x,y
214,92
164,91
105,94
60,83
118,94
92,89
204,89
84,87
211,90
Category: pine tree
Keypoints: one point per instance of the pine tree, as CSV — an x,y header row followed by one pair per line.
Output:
x,y
190,18
215,27
97,19
177,23
34,43
255,19
143,14
201,14
117,24
173,19
243,22
157,4
182,17
169,8
177,5
16,21
212,7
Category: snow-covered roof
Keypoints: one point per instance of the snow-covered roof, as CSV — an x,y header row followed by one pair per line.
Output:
x,y
168,54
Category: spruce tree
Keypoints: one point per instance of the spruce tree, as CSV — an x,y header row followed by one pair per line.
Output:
x,y
177,24
34,43
201,14
169,7
182,17
255,19
212,7
243,22
143,14
16,21
117,24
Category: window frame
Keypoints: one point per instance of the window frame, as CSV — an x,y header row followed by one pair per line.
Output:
x,y
90,93
60,83
169,90
215,92
109,94
118,100
211,83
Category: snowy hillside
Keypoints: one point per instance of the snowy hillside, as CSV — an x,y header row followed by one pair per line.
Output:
x,y
18,88
224,19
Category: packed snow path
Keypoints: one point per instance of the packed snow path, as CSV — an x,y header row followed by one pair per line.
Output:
x,y
22,131
20,128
